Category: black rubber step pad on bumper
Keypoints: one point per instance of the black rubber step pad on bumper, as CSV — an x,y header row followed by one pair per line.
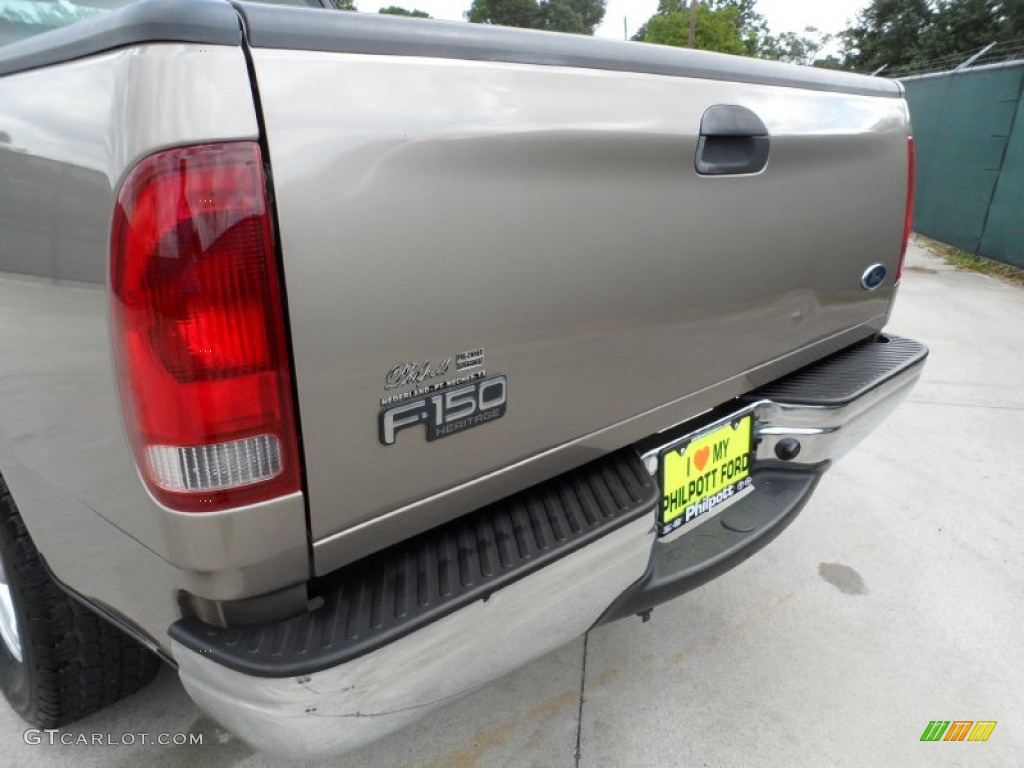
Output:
x,y
396,591
846,375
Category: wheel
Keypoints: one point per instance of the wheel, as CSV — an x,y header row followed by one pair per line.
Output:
x,y
59,661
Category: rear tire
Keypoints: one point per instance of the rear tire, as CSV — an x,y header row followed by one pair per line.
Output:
x,y
72,661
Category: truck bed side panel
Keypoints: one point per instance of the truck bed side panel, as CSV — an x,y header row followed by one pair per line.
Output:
x,y
68,134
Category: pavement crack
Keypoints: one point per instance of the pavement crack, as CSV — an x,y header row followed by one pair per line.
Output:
x,y
579,715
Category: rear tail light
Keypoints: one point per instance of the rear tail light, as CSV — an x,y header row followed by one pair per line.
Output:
x,y
199,333
908,221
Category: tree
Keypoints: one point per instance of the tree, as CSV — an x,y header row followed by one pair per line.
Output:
x,y
397,10
344,5
932,34
1011,26
560,16
578,16
795,47
719,26
752,25
887,32
961,26
830,62
591,13
507,13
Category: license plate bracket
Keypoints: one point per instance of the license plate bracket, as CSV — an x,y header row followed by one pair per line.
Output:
x,y
704,472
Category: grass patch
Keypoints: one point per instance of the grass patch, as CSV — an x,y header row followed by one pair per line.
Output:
x,y
968,262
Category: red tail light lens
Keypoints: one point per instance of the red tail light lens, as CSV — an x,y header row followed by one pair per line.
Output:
x,y
908,221
199,333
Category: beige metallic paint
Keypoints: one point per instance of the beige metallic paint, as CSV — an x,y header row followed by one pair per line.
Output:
x,y
553,216
71,132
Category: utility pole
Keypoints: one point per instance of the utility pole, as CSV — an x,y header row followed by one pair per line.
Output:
x,y
625,29
693,22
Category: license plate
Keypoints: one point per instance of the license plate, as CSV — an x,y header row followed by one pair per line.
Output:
x,y
705,472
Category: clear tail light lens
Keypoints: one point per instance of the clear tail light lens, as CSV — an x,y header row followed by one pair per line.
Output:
x,y
908,221
199,330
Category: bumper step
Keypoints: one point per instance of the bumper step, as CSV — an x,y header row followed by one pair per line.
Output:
x,y
679,566
846,375
828,407
401,589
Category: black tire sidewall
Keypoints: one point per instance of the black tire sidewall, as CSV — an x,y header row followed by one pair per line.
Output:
x,y
74,661
15,680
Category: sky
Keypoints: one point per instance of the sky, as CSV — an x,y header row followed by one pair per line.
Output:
x,y
782,15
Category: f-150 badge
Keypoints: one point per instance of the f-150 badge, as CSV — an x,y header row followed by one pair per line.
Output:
x,y
446,411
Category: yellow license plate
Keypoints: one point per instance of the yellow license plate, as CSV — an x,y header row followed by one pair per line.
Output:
x,y
702,474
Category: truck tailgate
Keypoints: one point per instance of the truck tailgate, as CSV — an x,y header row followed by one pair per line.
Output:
x,y
547,223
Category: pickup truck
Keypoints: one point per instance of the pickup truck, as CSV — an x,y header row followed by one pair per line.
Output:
x,y
350,362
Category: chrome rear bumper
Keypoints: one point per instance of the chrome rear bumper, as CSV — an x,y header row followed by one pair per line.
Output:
x,y
340,708
350,705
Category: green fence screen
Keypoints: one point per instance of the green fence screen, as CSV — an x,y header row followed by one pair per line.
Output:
x,y
969,135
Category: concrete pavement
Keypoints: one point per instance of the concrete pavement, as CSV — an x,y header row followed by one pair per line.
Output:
x,y
893,600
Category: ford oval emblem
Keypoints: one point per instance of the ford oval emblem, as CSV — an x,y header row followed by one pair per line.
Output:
x,y
873,277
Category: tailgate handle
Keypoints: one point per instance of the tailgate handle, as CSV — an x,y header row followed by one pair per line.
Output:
x,y
733,140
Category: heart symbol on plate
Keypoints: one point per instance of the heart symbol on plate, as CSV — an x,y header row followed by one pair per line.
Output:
x,y
700,458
